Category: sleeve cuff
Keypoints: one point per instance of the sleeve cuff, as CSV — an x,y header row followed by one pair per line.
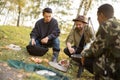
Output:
x,y
49,37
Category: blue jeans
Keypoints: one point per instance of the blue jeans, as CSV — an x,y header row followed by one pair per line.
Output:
x,y
54,43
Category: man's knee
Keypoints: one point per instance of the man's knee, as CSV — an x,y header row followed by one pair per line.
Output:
x,y
66,50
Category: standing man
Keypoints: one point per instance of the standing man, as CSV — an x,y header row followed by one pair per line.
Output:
x,y
79,36
46,32
106,47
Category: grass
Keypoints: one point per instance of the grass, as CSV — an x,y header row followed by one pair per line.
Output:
x,y
20,36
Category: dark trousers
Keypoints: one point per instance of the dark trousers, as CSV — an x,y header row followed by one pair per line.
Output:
x,y
88,63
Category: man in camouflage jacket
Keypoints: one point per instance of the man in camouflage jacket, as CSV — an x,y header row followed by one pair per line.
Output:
x,y
106,47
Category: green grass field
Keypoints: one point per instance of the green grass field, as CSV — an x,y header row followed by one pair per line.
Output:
x,y
20,36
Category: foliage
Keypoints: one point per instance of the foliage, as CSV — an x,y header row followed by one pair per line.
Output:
x,y
2,5
24,11
32,10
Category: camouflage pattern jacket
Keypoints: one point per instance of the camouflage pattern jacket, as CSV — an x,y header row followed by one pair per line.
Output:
x,y
106,49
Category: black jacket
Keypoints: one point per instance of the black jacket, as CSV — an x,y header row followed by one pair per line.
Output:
x,y
42,29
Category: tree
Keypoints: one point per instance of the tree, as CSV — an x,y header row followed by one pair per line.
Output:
x,y
86,4
20,4
33,10
30,10
62,9
15,6
2,6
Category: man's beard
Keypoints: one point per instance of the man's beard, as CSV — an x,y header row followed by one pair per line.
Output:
x,y
80,29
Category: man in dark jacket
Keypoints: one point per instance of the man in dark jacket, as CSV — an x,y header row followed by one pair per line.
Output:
x,y
46,32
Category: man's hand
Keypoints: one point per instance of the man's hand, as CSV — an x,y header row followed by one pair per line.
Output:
x,y
45,40
33,42
71,50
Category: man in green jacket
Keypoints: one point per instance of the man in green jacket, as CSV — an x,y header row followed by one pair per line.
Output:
x,y
79,36
106,47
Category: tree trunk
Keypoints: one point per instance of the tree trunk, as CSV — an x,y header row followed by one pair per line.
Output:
x,y
19,12
87,5
80,6
2,8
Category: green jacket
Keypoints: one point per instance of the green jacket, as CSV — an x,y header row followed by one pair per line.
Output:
x,y
106,48
75,36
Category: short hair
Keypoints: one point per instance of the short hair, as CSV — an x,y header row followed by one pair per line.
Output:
x,y
48,10
107,10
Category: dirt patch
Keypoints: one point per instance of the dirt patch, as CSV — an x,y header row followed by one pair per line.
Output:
x,y
8,73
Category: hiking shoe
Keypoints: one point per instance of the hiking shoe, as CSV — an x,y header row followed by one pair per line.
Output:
x,y
62,65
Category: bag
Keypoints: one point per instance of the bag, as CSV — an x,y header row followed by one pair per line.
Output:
x,y
36,50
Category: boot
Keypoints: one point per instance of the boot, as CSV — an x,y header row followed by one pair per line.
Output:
x,y
55,56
